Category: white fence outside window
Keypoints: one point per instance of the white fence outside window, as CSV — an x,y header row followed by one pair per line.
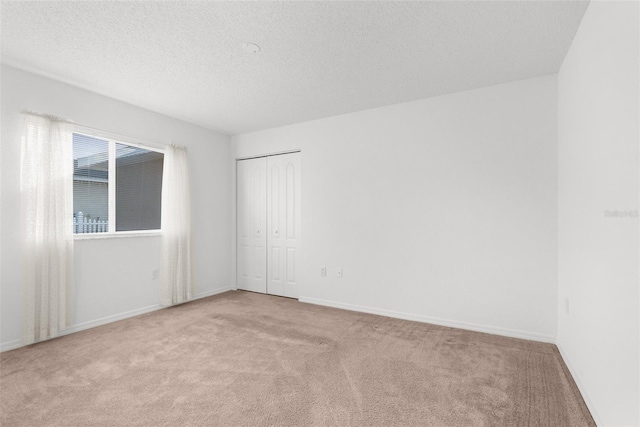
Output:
x,y
82,224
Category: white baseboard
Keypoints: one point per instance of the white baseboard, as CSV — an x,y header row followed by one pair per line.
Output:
x,y
580,384
109,319
10,345
213,292
512,333
13,344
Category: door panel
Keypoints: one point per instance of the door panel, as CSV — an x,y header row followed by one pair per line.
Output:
x,y
251,224
283,195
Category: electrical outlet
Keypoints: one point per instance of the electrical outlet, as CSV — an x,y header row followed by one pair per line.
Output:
x,y
154,274
340,273
566,305
323,271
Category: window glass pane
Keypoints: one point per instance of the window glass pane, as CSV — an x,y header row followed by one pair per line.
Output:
x,y
90,184
138,188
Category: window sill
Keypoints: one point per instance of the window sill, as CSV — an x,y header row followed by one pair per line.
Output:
x,y
118,235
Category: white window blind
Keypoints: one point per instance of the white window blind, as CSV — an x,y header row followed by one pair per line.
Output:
x,y
138,188
90,184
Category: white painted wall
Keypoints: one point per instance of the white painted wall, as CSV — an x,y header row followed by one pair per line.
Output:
x,y
443,209
112,276
598,171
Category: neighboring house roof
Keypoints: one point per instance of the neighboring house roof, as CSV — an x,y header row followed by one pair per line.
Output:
x,y
94,168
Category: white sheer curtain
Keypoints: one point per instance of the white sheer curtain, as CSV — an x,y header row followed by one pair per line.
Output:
x,y
47,219
176,281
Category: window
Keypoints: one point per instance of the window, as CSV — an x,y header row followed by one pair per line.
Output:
x,y
116,186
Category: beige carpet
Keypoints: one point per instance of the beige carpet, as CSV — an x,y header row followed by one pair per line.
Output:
x,y
254,360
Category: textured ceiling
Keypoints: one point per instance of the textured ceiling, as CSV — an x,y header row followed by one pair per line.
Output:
x,y
318,59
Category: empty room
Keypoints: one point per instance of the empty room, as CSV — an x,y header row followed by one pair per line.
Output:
x,y
320,213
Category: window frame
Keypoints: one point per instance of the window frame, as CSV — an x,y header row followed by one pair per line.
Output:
x,y
112,140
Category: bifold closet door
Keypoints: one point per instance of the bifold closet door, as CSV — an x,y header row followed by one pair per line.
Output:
x,y
283,224
251,202
268,224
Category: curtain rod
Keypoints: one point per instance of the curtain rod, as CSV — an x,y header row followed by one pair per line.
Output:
x,y
47,116
259,156
106,133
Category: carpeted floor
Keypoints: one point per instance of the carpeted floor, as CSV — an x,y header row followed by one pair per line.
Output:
x,y
244,359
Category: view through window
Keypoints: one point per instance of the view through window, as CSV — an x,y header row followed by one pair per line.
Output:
x,y
116,186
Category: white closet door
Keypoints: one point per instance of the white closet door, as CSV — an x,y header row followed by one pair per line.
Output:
x,y
283,224
252,225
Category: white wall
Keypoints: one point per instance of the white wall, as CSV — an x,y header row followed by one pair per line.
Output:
x,y
113,277
443,209
598,171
